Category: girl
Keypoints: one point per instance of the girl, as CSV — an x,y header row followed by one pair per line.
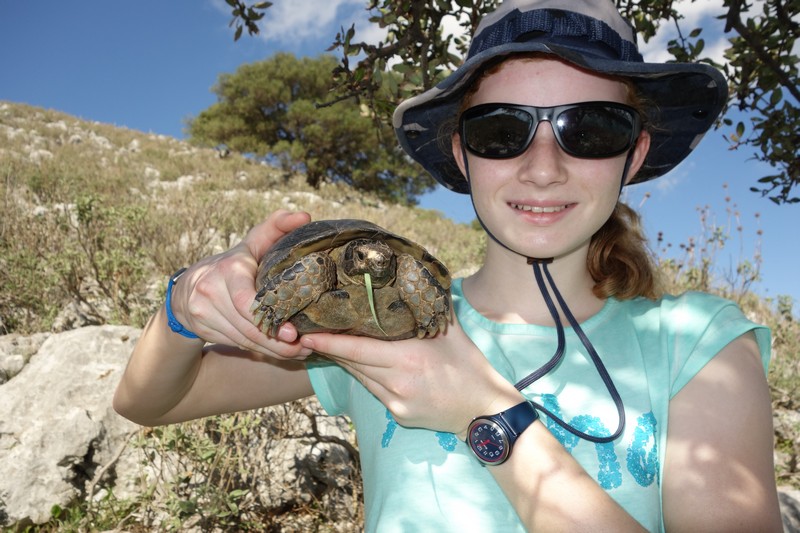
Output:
x,y
568,393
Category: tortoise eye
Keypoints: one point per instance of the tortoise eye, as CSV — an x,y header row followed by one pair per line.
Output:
x,y
361,255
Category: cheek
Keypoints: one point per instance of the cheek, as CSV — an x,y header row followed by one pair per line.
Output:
x,y
601,178
603,188
491,174
486,180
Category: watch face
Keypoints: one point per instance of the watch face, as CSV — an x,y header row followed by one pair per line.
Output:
x,y
489,441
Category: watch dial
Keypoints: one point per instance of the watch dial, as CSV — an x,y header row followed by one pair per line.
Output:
x,y
489,442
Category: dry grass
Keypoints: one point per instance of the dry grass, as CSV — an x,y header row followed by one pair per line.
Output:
x,y
94,220
96,217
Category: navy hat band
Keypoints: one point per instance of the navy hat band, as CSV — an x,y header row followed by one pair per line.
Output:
x,y
525,26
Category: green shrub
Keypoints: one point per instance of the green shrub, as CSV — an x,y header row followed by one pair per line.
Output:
x,y
92,227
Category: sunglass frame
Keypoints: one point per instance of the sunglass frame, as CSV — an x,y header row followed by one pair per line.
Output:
x,y
549,114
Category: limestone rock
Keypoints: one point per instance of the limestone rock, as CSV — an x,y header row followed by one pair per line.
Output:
x,y
57,426
790,509
16,351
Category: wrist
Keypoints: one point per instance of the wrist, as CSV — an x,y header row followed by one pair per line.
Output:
x,y
492,437
174,324
500,403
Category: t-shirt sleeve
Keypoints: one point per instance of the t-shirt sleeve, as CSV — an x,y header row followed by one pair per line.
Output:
x,y
700,325
332,385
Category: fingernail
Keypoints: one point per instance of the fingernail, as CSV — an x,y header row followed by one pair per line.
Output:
x,y
307,342
286,335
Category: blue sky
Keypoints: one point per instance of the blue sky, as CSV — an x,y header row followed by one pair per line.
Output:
x,y
149,65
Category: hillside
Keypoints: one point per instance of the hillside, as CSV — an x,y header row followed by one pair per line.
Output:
x,y
95,217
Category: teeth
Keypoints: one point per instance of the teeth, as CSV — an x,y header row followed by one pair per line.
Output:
x,y
536,209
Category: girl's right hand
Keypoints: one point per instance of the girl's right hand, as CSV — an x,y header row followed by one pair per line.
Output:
x,y
213,297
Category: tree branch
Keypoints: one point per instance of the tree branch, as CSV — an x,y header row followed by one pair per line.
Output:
x,y
734,22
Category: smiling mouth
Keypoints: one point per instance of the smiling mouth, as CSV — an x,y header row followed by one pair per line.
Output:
x,y
538,209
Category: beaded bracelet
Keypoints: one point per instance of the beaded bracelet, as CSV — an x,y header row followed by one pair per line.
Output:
x,y
173,322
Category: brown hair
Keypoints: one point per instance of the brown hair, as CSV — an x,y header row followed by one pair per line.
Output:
x,y
619,259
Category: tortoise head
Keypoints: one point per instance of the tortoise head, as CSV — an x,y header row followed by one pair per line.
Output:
x,y
365,256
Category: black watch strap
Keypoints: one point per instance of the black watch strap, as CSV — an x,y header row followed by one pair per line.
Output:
x,y
492,438
517,418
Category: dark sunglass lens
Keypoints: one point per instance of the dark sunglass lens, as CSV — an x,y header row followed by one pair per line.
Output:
x,y
595,131
497,132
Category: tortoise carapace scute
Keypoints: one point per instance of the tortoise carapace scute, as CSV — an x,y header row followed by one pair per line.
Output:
x,y
316,278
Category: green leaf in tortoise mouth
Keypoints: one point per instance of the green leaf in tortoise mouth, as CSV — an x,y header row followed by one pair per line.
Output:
x,y
371,298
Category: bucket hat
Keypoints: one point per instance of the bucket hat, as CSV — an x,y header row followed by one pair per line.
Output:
x,y
682,100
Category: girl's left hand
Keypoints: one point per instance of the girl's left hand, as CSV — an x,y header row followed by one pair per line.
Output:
x,y
440,383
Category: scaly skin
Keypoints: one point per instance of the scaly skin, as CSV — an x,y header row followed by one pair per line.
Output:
x,y
422,294
292,290
325,291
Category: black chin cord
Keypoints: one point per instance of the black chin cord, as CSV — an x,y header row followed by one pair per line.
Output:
x,y
540,265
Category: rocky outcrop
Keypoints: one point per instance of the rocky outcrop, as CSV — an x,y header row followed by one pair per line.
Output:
x,y
57,426
790,509
61,442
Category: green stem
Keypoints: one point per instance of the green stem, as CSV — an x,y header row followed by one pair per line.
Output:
x,y
371,298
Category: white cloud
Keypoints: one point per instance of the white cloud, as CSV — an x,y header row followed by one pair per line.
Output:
x,y
289,21
367,31
698,14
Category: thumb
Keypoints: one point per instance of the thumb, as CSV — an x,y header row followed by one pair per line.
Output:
x,y
259,239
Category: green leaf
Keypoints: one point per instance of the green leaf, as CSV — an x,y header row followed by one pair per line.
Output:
x,y
371,298
776,97
698,47
207,454
237,493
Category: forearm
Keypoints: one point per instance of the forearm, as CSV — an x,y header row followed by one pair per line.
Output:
x,y
171,378
551,492
161,371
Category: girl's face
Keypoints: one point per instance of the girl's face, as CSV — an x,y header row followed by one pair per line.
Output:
x,y
544,202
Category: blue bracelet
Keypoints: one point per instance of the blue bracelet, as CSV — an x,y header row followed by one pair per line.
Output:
x,y
173,322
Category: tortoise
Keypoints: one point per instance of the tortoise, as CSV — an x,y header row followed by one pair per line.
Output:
x,y
351,276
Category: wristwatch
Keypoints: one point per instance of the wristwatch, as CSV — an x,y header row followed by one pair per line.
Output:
x,y
491,438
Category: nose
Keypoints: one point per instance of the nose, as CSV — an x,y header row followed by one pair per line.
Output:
x,y
377,260
542,162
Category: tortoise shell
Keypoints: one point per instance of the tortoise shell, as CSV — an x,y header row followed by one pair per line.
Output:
x,y
316,295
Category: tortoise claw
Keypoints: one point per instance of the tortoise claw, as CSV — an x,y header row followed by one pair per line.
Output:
x,y
288,292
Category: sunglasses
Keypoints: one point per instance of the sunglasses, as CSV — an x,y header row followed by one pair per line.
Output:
x,y
590,130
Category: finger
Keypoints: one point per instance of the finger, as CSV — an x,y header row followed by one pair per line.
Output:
x,y
241,330
218,310
257,241
244,334
350,349
279,223
370,377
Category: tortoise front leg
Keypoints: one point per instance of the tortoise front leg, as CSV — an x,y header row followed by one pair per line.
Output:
x,y
422,293
290,291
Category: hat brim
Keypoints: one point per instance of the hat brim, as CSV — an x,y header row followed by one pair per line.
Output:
x,y
682,101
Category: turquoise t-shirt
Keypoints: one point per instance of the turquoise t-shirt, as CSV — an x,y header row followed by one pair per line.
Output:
x,y
416,478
